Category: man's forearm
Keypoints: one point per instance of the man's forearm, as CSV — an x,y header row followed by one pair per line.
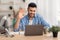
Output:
x,y
17,24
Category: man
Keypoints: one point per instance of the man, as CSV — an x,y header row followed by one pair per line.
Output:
x,y
31,18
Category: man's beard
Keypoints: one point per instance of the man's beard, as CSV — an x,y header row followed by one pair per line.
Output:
x,y
31,16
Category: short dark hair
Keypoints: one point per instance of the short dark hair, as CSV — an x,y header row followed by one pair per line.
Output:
x,y
32,5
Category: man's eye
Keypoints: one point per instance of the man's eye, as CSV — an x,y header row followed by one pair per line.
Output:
x,y
30,10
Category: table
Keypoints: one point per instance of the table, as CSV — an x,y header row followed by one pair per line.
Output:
x,y
47,36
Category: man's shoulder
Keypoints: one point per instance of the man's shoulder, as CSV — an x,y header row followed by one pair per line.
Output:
x,y
38,15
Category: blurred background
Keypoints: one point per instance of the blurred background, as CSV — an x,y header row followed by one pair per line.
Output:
x,y
49,9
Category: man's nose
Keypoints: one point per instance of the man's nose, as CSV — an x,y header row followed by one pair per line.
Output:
x,y
32,12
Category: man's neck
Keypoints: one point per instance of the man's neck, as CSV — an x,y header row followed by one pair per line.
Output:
x,y
30,18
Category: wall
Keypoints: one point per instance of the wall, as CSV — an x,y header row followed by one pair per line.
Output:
x,y
4,6
47,8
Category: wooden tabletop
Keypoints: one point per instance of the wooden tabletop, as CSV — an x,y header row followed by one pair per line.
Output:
x,y
47,36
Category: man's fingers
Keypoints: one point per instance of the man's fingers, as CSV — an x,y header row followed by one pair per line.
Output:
x,y
21,10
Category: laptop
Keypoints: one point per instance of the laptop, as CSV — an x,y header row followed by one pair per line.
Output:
x,y
32,30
